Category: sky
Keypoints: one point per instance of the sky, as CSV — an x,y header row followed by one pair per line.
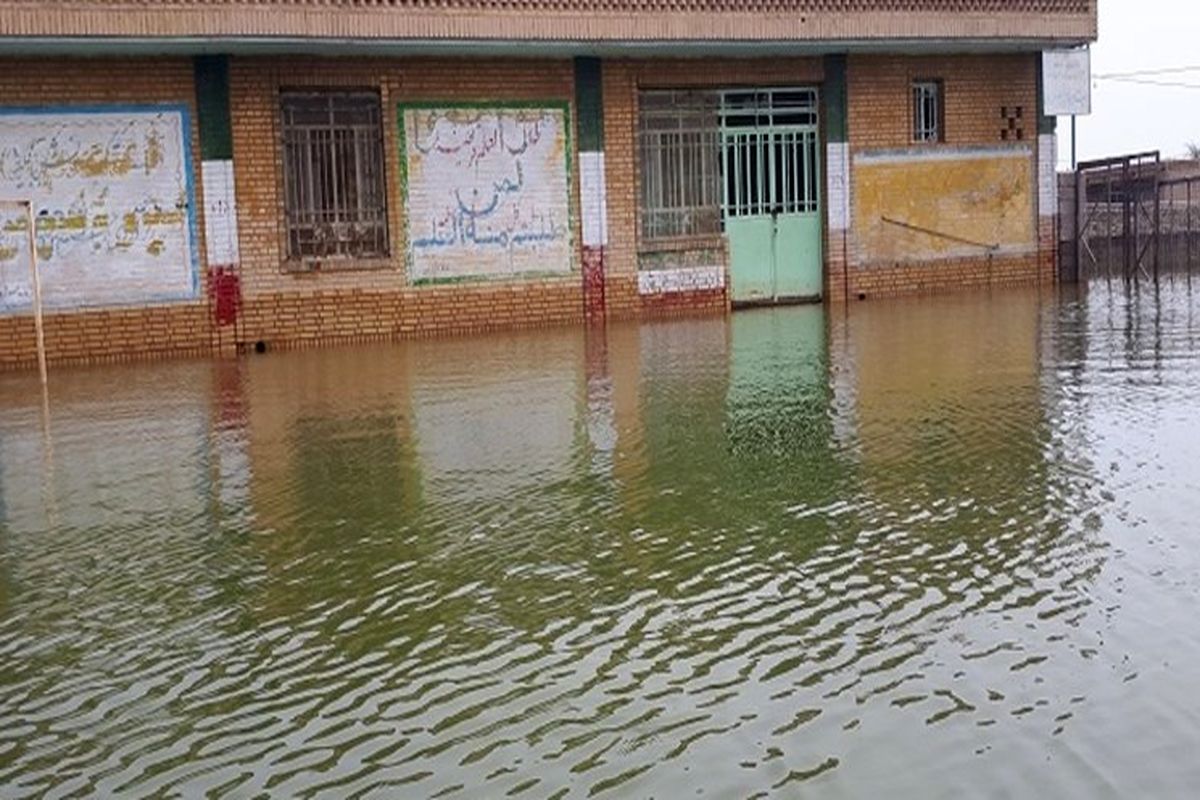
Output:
x,y
1137,35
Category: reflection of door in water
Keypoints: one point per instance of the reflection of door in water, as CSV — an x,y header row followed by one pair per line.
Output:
x,y
770,197
779,387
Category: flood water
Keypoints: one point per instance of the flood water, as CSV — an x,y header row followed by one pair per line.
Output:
x,y
925,548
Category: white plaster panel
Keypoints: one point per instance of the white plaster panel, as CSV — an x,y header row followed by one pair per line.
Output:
x,y
112,195
686,279
1047,175
593,199
838,169
487,192
220,213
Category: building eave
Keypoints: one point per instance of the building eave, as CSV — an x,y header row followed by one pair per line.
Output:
x,y
114,46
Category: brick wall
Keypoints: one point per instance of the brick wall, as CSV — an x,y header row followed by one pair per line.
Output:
x,y
976,88
284,307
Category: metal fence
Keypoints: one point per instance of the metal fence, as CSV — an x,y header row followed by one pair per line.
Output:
x,y
1132,218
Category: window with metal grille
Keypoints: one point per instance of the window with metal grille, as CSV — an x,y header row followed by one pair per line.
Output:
x,y
334,190
679,158
770,159
927,111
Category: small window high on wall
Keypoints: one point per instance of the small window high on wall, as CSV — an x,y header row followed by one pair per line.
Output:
x,y
334,189
680,161
928,118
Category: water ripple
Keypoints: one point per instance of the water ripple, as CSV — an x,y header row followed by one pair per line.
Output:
x,y
932,543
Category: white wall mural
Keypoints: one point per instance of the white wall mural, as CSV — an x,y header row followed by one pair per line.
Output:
x,y
486,191
111,190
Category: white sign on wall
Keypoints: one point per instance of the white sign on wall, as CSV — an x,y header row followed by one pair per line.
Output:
x,y
487,191
1066,82
112,195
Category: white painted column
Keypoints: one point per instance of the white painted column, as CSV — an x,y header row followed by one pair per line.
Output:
x,y
220,214
837,159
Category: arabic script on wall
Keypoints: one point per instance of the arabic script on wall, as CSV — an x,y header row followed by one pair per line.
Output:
x,y
112,207
487,192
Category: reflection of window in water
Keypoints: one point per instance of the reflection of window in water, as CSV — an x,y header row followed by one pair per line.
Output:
x,y
348,463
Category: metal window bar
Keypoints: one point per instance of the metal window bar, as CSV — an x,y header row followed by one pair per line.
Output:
x,y
769,143
927,111
334,197
738,152
679,165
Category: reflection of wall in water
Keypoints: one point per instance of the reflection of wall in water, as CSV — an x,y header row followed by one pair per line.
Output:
x,y
422,422
6,578
943,388
146,469
385,464
335,479
496,416
629,453
344,413
127,488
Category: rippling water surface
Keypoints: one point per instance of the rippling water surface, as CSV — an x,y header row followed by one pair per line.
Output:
x,y
928,548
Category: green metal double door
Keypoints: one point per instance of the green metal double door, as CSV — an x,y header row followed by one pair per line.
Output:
x,y
771,194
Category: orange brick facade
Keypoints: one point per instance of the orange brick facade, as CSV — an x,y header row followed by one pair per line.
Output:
x,y
284,308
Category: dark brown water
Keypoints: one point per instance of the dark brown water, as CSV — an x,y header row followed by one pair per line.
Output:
x,y
932,548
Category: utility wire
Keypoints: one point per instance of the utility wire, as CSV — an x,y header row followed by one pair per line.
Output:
x,y
1147,72
1148,82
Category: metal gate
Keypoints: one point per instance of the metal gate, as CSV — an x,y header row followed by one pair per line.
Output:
x,y
1114,220
770,195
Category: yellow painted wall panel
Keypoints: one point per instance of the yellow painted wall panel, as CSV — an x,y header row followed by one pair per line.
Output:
x,y
980,197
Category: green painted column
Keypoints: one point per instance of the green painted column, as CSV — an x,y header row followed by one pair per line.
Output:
x,y
589,104
212,107
836,107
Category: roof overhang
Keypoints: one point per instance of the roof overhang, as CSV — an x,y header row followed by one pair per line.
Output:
x,y
114,46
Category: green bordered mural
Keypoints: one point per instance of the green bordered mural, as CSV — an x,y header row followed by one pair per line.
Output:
x,y
487,190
